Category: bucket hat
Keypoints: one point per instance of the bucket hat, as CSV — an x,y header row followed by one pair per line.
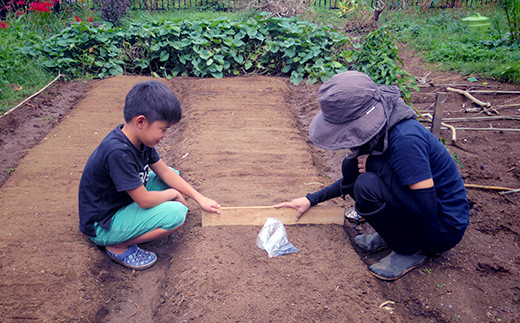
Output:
x,y
351,113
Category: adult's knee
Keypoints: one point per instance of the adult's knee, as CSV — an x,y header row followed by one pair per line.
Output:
x,y
366,188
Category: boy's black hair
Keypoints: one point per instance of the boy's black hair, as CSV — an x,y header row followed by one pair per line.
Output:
x,y
154,100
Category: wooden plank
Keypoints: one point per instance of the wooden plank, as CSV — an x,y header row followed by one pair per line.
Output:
x,y
256,215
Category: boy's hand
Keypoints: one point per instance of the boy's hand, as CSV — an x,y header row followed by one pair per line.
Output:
x,y
301,204
209,205
177,196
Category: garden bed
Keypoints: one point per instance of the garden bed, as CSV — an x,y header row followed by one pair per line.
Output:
x,y
243,141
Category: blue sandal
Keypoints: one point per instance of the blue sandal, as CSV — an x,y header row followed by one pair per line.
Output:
x,y
134,258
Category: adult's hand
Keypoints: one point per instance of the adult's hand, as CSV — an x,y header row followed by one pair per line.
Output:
x,y
301,204
362,163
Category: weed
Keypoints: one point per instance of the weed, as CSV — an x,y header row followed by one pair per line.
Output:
x,y
441,37
455,156
427,270
10,170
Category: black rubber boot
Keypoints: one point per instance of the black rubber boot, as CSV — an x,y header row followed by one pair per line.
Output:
x,y
370,242
395,265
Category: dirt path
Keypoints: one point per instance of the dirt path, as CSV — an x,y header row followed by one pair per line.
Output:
x,y
243,149
242,141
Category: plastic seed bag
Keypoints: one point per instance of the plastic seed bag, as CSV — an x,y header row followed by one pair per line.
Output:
x,y
273,239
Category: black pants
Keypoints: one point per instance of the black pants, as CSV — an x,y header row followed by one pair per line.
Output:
x,y
389,208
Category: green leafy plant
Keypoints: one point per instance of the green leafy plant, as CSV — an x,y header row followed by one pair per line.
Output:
x,y
215,48
378,57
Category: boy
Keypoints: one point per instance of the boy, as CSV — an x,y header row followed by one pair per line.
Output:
x,y
121,202
404,181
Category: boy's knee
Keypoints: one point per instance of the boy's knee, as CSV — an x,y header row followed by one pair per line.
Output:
x,y
174,215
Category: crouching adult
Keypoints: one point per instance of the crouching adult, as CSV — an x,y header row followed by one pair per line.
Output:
x,y
404,182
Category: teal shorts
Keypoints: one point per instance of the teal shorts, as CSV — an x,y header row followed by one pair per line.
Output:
x,y
132,221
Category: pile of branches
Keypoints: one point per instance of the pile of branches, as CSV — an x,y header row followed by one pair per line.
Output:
x,y
281,8
361,19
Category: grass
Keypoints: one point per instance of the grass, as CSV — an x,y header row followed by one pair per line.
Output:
x,y
439,36
21,75
442,37
19,70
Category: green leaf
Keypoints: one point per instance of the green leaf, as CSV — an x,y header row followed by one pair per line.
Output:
x,y
116,70
296,78
217,75
238,58
164,56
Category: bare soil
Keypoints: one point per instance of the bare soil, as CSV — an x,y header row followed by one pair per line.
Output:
x,y
243,141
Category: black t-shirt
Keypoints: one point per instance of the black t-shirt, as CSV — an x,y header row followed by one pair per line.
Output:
x,y
115,167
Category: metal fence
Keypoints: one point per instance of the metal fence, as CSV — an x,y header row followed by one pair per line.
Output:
x,y
179,4
402,4
332,4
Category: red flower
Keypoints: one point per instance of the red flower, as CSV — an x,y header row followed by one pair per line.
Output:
x,y
21,3
90,19
3,25
40,7
77,19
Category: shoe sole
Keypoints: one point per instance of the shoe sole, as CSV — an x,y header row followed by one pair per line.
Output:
x,y
401,275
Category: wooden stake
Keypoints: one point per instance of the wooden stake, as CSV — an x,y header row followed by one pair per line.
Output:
x,y
438,109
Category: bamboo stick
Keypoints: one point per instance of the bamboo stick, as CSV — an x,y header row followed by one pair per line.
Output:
x,y
481,118
429,118
493,92
486,129
469,96
486,187
32,96
510,192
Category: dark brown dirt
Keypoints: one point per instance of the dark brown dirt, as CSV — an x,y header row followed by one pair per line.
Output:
x,y
243,141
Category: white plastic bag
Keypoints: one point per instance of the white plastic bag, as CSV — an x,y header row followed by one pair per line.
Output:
x,y
273,239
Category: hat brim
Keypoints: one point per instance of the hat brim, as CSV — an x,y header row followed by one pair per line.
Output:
x,y
347,135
